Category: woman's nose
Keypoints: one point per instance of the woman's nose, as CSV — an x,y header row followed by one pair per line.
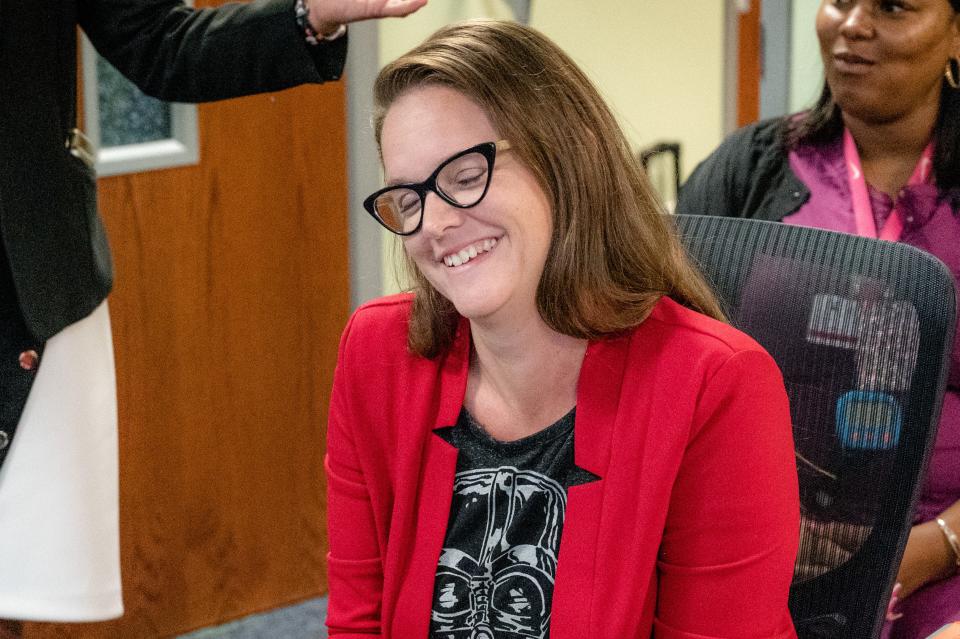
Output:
x,y
439,216
857,24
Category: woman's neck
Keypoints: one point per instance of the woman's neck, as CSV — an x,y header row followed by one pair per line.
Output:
x,y
522,379
889,151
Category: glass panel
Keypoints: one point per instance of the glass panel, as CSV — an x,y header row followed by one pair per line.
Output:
x,y
127,116
464,180
399,209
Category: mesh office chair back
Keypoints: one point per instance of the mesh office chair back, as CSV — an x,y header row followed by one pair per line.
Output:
x,y
862,330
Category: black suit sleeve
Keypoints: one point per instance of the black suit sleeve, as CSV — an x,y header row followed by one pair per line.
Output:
x,y
182,54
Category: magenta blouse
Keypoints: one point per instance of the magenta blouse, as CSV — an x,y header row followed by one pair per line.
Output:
x,y
932,223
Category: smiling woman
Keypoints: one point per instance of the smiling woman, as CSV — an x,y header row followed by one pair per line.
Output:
x,y
885,61
877,155
554,433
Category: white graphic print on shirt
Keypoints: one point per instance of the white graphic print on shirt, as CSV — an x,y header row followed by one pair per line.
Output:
x,y
498,582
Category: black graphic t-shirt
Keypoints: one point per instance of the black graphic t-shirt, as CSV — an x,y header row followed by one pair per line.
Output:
x,y
499,560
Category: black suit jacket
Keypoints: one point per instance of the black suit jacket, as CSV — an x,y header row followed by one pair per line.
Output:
x,y
54,261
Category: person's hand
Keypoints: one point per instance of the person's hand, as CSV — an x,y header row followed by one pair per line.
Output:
x,y
326,16
928,557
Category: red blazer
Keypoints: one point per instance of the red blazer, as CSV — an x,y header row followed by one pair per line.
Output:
x,y
691,531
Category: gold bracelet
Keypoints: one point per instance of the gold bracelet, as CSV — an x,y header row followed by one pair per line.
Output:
x,y
951,539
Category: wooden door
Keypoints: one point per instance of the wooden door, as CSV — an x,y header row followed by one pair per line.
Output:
x,y
231,292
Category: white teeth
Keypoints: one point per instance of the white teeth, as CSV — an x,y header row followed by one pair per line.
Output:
x,y
467,254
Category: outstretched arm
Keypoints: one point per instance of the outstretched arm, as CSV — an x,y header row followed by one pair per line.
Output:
x,y
181,54
327,15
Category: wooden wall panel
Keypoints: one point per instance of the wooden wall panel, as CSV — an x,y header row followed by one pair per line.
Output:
x,y
231,292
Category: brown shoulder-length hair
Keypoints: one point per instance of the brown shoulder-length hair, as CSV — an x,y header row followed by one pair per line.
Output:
x,y
613,252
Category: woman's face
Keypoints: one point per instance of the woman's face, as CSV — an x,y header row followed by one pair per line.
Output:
x,y
885,58
488,259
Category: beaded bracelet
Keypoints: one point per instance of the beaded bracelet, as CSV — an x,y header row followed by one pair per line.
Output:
x,y
302,13
951,539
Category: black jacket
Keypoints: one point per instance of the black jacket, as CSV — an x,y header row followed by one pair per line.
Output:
x,y
747,176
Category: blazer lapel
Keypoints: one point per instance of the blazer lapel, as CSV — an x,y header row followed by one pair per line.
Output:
x,y
598,396
435,495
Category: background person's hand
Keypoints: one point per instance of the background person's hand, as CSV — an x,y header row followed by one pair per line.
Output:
x,y
327,15
892,614
928,557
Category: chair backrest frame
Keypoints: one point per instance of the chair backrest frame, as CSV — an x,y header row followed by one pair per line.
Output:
x,y
735,254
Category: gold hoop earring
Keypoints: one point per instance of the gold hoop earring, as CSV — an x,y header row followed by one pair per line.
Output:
x,y
952,73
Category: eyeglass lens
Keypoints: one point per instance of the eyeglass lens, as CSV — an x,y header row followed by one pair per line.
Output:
x,y
462,181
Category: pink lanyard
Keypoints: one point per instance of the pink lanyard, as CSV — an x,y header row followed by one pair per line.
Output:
x,y
862,210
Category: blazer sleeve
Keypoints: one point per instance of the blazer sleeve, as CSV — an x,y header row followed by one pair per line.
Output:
x,y
354,562
732,531
177,53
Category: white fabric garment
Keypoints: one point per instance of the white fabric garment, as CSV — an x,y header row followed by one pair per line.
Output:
x,y
59,528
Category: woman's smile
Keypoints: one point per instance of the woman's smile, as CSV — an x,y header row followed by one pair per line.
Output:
x,y
851,63
469,253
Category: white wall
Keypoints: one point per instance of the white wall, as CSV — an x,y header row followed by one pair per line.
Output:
x,y
399,36
806,74
659,63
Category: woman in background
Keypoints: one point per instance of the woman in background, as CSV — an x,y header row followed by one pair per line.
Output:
x,y
878,155
552,434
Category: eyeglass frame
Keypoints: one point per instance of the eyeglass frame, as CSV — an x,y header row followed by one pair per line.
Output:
x,y
487,149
